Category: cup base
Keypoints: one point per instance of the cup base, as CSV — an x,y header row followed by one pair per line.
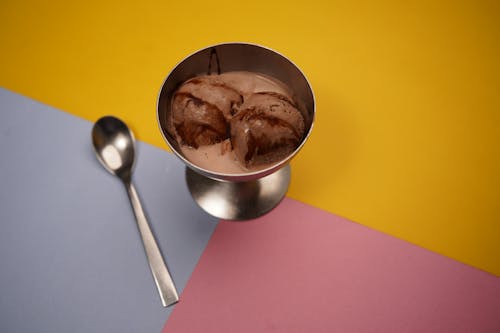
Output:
x,y
238,200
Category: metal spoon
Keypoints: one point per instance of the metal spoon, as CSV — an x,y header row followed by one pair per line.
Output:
x,y
114,146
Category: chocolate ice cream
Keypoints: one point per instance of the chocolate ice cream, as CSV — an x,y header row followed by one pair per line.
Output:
x,y
266,129
235,122
201,108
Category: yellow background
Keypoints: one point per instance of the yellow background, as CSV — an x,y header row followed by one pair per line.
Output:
x,y
407,134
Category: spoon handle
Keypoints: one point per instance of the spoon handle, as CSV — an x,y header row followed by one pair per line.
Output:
x,y
161,275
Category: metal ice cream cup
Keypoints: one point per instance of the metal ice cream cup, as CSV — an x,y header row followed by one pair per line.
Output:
x,y
228,57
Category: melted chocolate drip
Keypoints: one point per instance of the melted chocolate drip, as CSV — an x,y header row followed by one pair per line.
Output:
x,y
213,54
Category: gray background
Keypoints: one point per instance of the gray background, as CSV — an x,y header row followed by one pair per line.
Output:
x,y
71,259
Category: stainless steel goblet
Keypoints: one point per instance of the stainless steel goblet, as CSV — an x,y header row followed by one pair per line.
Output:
x,y
251,194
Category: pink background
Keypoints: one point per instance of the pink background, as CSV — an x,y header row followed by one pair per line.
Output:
x,y
300,269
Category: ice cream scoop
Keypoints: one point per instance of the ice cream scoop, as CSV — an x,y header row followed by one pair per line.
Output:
x,y
201,109
197,122
267,128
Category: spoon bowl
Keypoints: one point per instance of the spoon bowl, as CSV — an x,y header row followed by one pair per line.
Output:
x,y
114,147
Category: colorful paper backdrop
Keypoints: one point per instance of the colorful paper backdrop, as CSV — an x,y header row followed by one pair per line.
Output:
x,y
408,96
392,221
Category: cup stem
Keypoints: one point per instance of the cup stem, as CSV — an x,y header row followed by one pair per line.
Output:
x,y
238,200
